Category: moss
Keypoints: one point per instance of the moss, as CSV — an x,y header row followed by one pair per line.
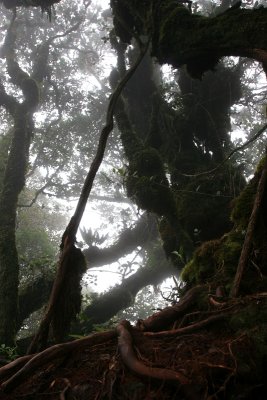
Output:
x,y
243,205
150,195
147,183
250,322
200,41
148,163
216,261
202,266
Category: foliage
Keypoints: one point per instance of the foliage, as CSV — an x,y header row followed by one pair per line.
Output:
x,y
9,353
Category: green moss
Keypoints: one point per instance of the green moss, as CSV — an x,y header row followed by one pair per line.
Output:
x,y
250,323
150,195
215,261
148,163
202,266
243,205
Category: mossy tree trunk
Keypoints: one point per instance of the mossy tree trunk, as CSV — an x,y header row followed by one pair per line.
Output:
x,y
160,138
12,186
13,179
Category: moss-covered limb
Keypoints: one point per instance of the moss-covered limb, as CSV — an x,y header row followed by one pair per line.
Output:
x,y
146,181
199,42
69,251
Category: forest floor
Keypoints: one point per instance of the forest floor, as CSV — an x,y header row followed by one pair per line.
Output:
x,y
177,353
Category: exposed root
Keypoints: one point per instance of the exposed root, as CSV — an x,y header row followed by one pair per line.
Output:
x,y
52,353
189,362
125,344
190,328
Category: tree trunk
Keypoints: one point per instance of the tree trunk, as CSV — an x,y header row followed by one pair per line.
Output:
x,y
9,267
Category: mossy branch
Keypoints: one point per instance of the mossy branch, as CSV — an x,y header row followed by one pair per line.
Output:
x,y
200,42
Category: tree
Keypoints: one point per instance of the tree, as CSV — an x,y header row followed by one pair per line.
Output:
x,y
164,168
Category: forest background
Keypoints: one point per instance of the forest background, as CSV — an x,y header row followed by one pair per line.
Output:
x,y
186,143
